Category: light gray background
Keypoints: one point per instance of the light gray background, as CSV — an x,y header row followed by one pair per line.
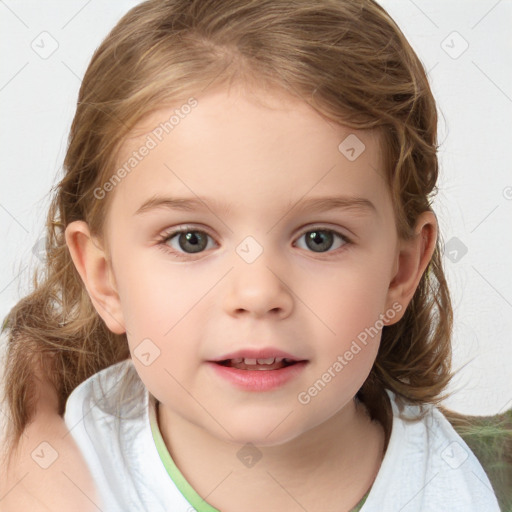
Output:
x,y
473,87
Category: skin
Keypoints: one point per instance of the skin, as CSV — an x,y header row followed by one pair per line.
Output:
x,y
258,156
64,485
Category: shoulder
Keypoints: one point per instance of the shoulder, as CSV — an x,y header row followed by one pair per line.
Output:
x,y
490,439
58,462
47,471
108,417
102,409
109,393
428,466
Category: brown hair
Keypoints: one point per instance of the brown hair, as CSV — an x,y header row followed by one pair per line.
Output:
x,y
346,58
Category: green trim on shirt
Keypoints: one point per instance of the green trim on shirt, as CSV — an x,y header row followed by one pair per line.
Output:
x,y
359,506
172,470
179,480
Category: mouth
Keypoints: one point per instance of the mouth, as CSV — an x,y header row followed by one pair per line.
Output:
x,y
264,364
258,370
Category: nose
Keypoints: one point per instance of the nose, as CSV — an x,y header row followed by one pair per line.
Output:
x,y
257,289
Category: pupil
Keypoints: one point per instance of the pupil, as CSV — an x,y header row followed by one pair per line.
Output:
x,y
324,238
197,243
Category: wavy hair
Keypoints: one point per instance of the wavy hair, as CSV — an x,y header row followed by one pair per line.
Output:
x,y
346,58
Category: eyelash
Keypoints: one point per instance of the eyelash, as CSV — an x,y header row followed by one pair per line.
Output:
x,y
167,236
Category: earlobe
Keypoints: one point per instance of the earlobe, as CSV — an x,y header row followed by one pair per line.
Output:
x,y
413,258
91,262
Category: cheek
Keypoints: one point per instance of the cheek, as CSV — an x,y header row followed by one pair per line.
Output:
x,y
161,303
351,299
155,295
161,309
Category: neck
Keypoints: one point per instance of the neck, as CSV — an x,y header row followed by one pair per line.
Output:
x,y
338,459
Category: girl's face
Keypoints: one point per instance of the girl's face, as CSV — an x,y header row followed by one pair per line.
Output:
x,y
289,249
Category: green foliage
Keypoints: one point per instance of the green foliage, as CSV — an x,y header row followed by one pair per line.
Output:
x,y
490,439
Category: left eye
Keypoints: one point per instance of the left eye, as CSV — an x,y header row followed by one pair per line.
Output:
x,y
321,240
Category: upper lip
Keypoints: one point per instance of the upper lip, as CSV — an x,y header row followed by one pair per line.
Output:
x,y
264,353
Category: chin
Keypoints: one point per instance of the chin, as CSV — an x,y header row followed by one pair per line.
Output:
x,y
261,433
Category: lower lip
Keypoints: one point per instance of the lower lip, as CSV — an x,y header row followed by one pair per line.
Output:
x,y
258,380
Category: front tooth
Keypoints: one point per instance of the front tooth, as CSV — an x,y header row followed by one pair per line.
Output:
x,y
269,360
237,360
249,361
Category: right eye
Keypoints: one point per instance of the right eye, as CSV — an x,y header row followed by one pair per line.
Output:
x,y
184,241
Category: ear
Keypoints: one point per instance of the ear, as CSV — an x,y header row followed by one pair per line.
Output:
x,y
413,258
92,264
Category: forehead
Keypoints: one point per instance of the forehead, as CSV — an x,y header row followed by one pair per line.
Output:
x,y
248,149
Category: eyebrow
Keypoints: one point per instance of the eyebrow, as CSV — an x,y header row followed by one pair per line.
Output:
x,y
356,204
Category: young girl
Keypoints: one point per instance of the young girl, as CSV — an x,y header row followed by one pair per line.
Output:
x,y
244,306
